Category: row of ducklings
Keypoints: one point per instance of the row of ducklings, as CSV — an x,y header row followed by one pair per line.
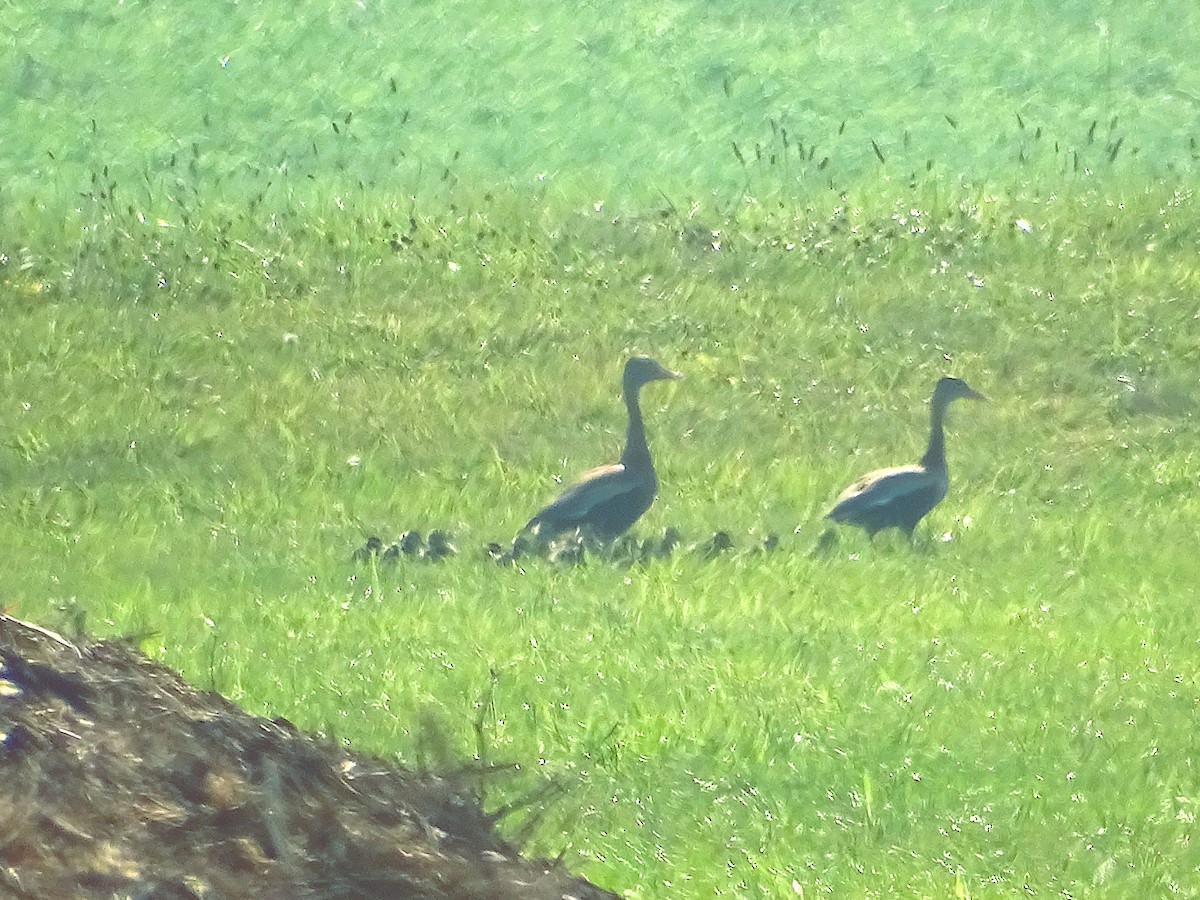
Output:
x,y
568,549
599,507
410,544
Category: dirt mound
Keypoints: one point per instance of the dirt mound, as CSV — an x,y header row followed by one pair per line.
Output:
x,y
119,779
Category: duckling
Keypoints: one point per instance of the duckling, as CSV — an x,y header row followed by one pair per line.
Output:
x,y
567,550
410,543
714,546
438,546
668,541
369,549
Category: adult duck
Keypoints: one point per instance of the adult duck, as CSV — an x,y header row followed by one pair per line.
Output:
x,y
605,501
901,496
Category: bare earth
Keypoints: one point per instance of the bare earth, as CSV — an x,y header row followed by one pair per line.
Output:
x,y
118,779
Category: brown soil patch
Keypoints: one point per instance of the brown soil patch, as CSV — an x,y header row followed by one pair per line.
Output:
x,y
118,779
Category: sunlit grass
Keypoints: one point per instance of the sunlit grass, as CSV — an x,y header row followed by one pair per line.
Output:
x,y
1006,703
256,339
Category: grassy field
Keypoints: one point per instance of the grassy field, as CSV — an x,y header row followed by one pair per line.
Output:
x,y
274,281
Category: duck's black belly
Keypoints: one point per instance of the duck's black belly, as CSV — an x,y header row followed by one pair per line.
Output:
x,y
598,507
615,515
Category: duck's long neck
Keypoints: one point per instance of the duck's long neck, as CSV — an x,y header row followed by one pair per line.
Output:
x,y
636,452
935,453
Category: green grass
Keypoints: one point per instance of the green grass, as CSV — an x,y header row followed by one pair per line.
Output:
x,y
254,340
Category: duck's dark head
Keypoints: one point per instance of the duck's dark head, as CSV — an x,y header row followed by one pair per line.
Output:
x,y
642,369
950,388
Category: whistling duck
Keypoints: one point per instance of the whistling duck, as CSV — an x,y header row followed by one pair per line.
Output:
x,y
901,496
607,500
